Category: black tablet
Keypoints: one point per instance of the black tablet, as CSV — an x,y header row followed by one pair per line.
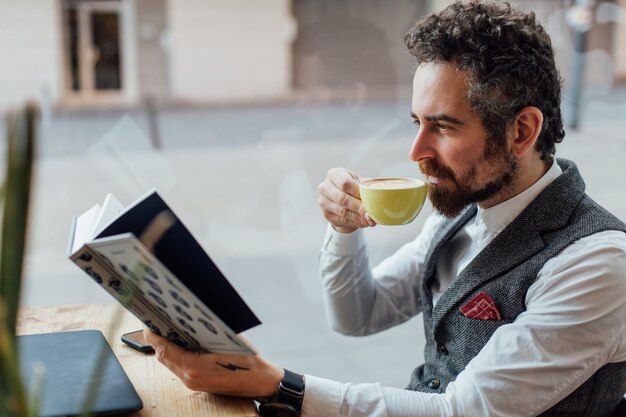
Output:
x,y
67,362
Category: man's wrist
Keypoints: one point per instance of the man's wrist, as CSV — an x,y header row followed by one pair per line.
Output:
x,y
287,401
343,229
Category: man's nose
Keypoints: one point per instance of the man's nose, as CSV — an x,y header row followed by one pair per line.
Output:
x,y
422,147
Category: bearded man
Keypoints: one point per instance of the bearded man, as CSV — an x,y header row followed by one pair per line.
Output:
x,y
513,232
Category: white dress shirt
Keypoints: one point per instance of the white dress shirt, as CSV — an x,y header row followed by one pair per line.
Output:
x,y
574,324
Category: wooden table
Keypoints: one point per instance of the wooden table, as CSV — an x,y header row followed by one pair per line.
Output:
x,y
161,391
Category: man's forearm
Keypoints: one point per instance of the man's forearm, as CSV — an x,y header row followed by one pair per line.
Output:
x,y
360,300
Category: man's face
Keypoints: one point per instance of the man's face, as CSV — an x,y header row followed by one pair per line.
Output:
x,y
451,143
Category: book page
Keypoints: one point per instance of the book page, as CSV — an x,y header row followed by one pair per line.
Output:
x,y
110,210
84,225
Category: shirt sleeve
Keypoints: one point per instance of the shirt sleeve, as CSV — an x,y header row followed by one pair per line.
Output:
x,y
360,300
326,398
574,324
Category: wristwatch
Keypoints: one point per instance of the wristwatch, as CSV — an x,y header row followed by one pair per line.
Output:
x,y
287,402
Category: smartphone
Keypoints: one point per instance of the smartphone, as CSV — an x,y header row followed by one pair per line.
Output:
x,y
137,341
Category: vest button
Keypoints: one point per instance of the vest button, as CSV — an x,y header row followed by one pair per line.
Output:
x,y
442,349
434,383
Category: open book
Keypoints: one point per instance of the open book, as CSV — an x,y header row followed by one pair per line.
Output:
x,y
147,259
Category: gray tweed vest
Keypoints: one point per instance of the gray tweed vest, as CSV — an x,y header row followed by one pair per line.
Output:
x,y
505,269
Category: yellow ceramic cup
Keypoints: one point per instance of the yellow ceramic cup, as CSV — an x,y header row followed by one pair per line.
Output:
x,y
393,201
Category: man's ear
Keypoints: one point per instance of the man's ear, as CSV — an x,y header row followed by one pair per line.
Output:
x,y
526,129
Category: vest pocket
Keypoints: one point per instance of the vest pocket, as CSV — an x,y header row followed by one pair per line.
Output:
x,y
471,335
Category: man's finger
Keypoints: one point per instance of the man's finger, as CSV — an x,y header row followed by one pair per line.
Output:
x,y
349,202
340,215
344,180
168,353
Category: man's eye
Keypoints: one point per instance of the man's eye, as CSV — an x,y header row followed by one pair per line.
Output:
x,y
442,128
416,122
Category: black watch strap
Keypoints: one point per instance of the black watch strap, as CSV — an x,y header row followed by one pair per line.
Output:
x,y
287,402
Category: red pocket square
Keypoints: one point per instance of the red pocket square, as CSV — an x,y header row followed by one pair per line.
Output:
x,y
481,307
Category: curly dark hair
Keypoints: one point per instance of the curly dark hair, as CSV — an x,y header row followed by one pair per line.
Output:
x,y
509,60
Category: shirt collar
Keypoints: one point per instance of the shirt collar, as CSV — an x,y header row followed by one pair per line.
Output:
x,y
496,218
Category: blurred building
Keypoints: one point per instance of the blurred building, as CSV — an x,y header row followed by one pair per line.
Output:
x,y
114,52
124,52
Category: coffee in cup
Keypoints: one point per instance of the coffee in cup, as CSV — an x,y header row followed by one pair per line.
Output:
x,y
393,201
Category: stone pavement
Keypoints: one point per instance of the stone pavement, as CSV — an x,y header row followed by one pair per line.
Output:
x,y
244,181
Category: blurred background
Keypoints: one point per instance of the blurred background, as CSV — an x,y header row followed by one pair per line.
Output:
x,y
234,111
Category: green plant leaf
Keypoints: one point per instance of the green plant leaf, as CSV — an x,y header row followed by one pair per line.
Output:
x,y
16,193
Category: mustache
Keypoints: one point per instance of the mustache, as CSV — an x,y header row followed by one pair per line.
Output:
x,y
432,168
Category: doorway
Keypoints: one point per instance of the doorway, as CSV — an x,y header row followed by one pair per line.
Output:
x,y
96,49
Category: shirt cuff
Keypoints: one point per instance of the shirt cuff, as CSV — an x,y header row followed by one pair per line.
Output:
x,y
343,244
322,397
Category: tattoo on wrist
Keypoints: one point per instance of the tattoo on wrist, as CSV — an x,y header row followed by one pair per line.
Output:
x,y
232,367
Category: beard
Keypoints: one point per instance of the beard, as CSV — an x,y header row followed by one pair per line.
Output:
x,y
457,192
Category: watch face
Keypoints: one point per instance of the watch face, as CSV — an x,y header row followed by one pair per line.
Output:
x,y
274,409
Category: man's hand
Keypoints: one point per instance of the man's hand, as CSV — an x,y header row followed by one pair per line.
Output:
x,y
237,375
340,201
